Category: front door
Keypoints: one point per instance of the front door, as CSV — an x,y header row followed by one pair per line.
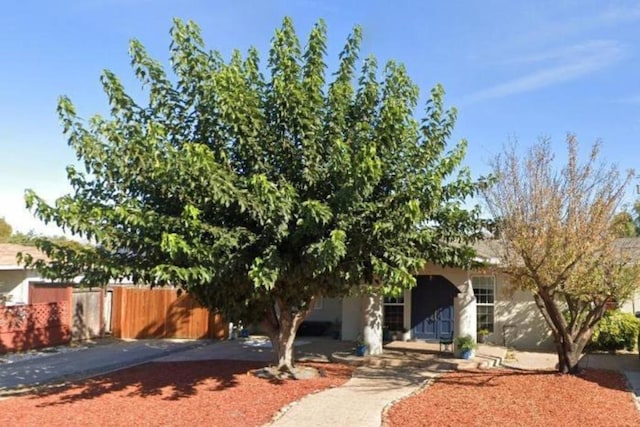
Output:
x,y
432,307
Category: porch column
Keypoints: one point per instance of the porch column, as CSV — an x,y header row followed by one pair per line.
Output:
x,y
464,307
372,320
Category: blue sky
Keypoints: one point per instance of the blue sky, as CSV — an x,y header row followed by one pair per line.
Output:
x,y
513,69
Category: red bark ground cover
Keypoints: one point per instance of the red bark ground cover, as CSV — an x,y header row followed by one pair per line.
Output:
x,y
519,398
209,393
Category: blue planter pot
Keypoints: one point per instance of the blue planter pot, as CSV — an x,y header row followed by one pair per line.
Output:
x,y
467,354
361,350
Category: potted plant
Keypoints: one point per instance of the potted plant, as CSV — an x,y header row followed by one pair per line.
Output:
x,y
406,334
465,345
482,335
386,334
361,347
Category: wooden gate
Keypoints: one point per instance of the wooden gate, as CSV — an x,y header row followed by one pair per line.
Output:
x,y
161,313
87,310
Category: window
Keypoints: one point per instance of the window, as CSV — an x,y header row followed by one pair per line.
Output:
x,y
394,313
484,288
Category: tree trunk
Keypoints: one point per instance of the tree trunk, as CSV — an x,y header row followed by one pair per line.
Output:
x,y
569,341
372,316
281,325
568,355
283,346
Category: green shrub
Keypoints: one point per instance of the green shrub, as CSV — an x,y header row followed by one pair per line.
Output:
x,y
616,331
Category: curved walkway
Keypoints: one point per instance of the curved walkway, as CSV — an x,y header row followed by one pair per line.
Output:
x,y
360,402
403,369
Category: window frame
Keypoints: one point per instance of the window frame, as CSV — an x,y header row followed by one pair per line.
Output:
x,y
398,301
493,286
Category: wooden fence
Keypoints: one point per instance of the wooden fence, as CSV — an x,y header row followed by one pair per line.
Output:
x,y
23,327
161,313
49,292
87,313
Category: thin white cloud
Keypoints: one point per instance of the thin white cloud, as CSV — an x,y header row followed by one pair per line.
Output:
x,y
564,53
579,24
561,65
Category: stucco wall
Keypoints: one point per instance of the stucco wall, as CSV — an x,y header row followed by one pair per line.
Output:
x,y
330,311
16,284
351,318
518,322
454,275
633,305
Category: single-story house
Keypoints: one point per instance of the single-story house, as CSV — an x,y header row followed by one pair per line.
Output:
x,y
14,278
441,305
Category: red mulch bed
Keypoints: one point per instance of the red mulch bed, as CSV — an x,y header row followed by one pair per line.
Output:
x,y
518,398
208,393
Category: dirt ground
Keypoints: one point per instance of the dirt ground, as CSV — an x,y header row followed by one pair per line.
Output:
x,y
505,397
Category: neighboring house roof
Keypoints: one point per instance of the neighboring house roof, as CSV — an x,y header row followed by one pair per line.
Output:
x,y
8,252
489,250
631,245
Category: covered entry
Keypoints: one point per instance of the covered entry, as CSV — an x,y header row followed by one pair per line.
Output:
x,y
432,307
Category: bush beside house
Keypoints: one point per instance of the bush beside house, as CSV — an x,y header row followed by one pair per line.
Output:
x,y
616,331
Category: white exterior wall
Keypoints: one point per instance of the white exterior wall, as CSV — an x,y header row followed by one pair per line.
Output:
x,y
15,283
518,322
633,305
351,318
329,310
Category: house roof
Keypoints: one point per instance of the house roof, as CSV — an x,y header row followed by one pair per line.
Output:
x,y
489,250
8,252
631,246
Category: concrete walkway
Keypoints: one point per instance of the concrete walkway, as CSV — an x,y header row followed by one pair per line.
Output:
x,y
360,402
402,369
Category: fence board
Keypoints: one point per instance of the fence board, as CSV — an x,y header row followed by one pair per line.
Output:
x,y
87,306
49,292
29,326
161,313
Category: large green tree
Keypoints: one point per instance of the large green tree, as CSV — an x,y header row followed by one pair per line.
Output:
x,y
257,188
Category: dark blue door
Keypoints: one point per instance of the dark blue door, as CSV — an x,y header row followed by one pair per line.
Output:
x,y
432,307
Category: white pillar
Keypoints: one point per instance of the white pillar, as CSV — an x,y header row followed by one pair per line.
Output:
x,y
372,323
464,307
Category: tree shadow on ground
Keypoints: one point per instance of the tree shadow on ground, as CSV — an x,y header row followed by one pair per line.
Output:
x,y
172,380
491,377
